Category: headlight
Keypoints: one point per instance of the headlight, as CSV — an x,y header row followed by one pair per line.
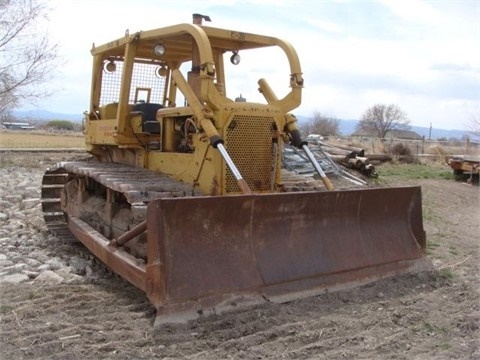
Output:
x,y
235,58
159,50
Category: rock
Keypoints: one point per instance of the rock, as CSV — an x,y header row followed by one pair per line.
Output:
x,y
55,263
29,203
12,198
49,277
30,274
6,263
34,210
79,265
4,204
15,224
69,277
15,256
19,215
39,256
33,263
15,268
10,248
14,278
44,267
4,240
31,192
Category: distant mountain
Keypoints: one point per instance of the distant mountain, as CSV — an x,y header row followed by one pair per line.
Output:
x,y
36,115
347,127
441,133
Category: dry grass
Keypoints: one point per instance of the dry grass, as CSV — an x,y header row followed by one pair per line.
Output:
x,y
26,139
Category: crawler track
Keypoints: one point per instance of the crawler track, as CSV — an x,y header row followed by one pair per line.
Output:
x,y
138,186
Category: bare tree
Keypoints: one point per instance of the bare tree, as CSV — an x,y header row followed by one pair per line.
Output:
x,y
380,119
6,117
474,125
27,57
322,125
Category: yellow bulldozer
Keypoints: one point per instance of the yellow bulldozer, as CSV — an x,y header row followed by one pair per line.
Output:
x,y
184,194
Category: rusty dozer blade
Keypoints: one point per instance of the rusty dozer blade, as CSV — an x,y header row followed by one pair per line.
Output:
x,y
211,253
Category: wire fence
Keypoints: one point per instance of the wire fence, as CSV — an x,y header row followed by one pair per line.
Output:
x,y
418,148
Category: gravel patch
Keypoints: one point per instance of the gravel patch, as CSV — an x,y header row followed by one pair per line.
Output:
x,y
25,242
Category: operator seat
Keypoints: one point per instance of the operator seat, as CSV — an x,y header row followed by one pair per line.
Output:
x,y
149,116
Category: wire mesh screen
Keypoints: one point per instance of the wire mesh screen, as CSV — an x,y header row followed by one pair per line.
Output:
x,y
146,84
111,81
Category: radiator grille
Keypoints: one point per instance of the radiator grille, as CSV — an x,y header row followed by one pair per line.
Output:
x,y
248,141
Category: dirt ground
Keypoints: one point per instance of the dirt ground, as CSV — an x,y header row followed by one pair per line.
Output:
x,y
430,315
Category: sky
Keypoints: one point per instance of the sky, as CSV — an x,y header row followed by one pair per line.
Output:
x,y
423,56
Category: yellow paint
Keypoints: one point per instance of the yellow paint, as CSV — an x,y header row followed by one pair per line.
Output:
x,y
184,148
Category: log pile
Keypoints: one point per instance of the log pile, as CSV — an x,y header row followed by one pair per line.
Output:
x,y
351,157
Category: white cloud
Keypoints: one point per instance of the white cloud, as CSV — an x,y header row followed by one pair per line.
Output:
x,y
414,10
420,55
322,25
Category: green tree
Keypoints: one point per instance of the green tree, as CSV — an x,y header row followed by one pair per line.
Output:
x,y
27,57
380,119
322,125
61,125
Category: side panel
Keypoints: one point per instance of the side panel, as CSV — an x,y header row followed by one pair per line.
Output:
x,y
201,167
101,132
213,246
